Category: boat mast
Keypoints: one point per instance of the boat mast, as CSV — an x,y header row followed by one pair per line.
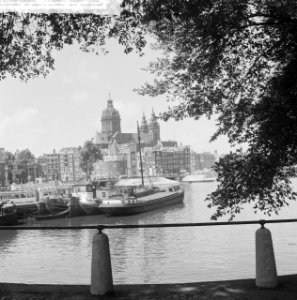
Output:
x,y
141,169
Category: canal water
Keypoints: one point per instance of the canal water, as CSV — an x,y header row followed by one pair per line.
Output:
x,y
156,255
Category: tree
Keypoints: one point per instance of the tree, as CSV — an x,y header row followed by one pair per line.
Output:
x,y
22,162
89,154
235,60
28,39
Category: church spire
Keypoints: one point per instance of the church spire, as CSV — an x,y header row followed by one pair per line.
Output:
x,y
153,116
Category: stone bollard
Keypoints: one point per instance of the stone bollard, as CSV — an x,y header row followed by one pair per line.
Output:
x,y
266,275
101,272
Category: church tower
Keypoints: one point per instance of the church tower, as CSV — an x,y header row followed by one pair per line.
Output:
x,y
110,120
144,125
144,130
154,129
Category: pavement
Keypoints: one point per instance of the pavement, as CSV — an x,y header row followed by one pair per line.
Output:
x,y
214,290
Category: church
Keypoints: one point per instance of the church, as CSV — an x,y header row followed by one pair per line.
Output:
x,y
111,130
120,150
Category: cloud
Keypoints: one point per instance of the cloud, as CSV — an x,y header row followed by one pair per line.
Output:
x,y
25,115
80,96
20,118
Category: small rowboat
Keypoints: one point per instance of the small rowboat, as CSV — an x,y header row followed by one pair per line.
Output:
x,y
62,214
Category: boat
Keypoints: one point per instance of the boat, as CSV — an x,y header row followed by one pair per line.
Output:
x,y
23,199
62,214
122,205
199,178
8,214
142,197
75,207
91,206
85,199
55,205
85,194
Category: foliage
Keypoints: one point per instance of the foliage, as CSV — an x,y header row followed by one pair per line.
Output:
x,y
89,153
22,161
235,60
28,41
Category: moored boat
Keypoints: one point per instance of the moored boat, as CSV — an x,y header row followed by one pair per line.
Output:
x,y
23,199
141,197
84,200
75,208
122,205
91,206
55,205
199,178
52,200
62,214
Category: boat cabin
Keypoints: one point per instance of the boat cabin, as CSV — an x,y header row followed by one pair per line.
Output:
x,y
19,196
87,190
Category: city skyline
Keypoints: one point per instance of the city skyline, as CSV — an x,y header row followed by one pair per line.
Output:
x,y
64,109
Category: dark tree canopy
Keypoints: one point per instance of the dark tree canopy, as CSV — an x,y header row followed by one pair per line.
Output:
x,y
235,60
29,40
22,161
232,59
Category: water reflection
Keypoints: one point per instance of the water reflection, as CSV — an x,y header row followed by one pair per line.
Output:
x,y
7,237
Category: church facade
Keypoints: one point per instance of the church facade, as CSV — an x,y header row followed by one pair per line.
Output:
x,y
111,129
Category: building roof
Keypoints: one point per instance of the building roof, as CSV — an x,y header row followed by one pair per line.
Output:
x,y
101,138
125,138
121,138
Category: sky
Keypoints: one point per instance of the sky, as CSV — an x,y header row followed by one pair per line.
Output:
x,y
64,109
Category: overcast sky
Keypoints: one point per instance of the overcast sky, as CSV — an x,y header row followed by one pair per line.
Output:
x,y
65,108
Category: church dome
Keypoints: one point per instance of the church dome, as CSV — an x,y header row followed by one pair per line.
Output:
x,y
110,112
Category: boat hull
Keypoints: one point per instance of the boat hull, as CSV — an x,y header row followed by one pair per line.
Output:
x,y
90,208
42,208
198,178
8,219
26,209
55,205
204,180
152,202
75,208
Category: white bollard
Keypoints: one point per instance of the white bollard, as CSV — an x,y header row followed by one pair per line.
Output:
x,y
101,272
266,275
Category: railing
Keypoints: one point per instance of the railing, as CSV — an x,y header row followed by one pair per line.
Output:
x,y
101,272
100,227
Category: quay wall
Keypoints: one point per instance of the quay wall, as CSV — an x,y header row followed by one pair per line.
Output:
x,y
230,289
